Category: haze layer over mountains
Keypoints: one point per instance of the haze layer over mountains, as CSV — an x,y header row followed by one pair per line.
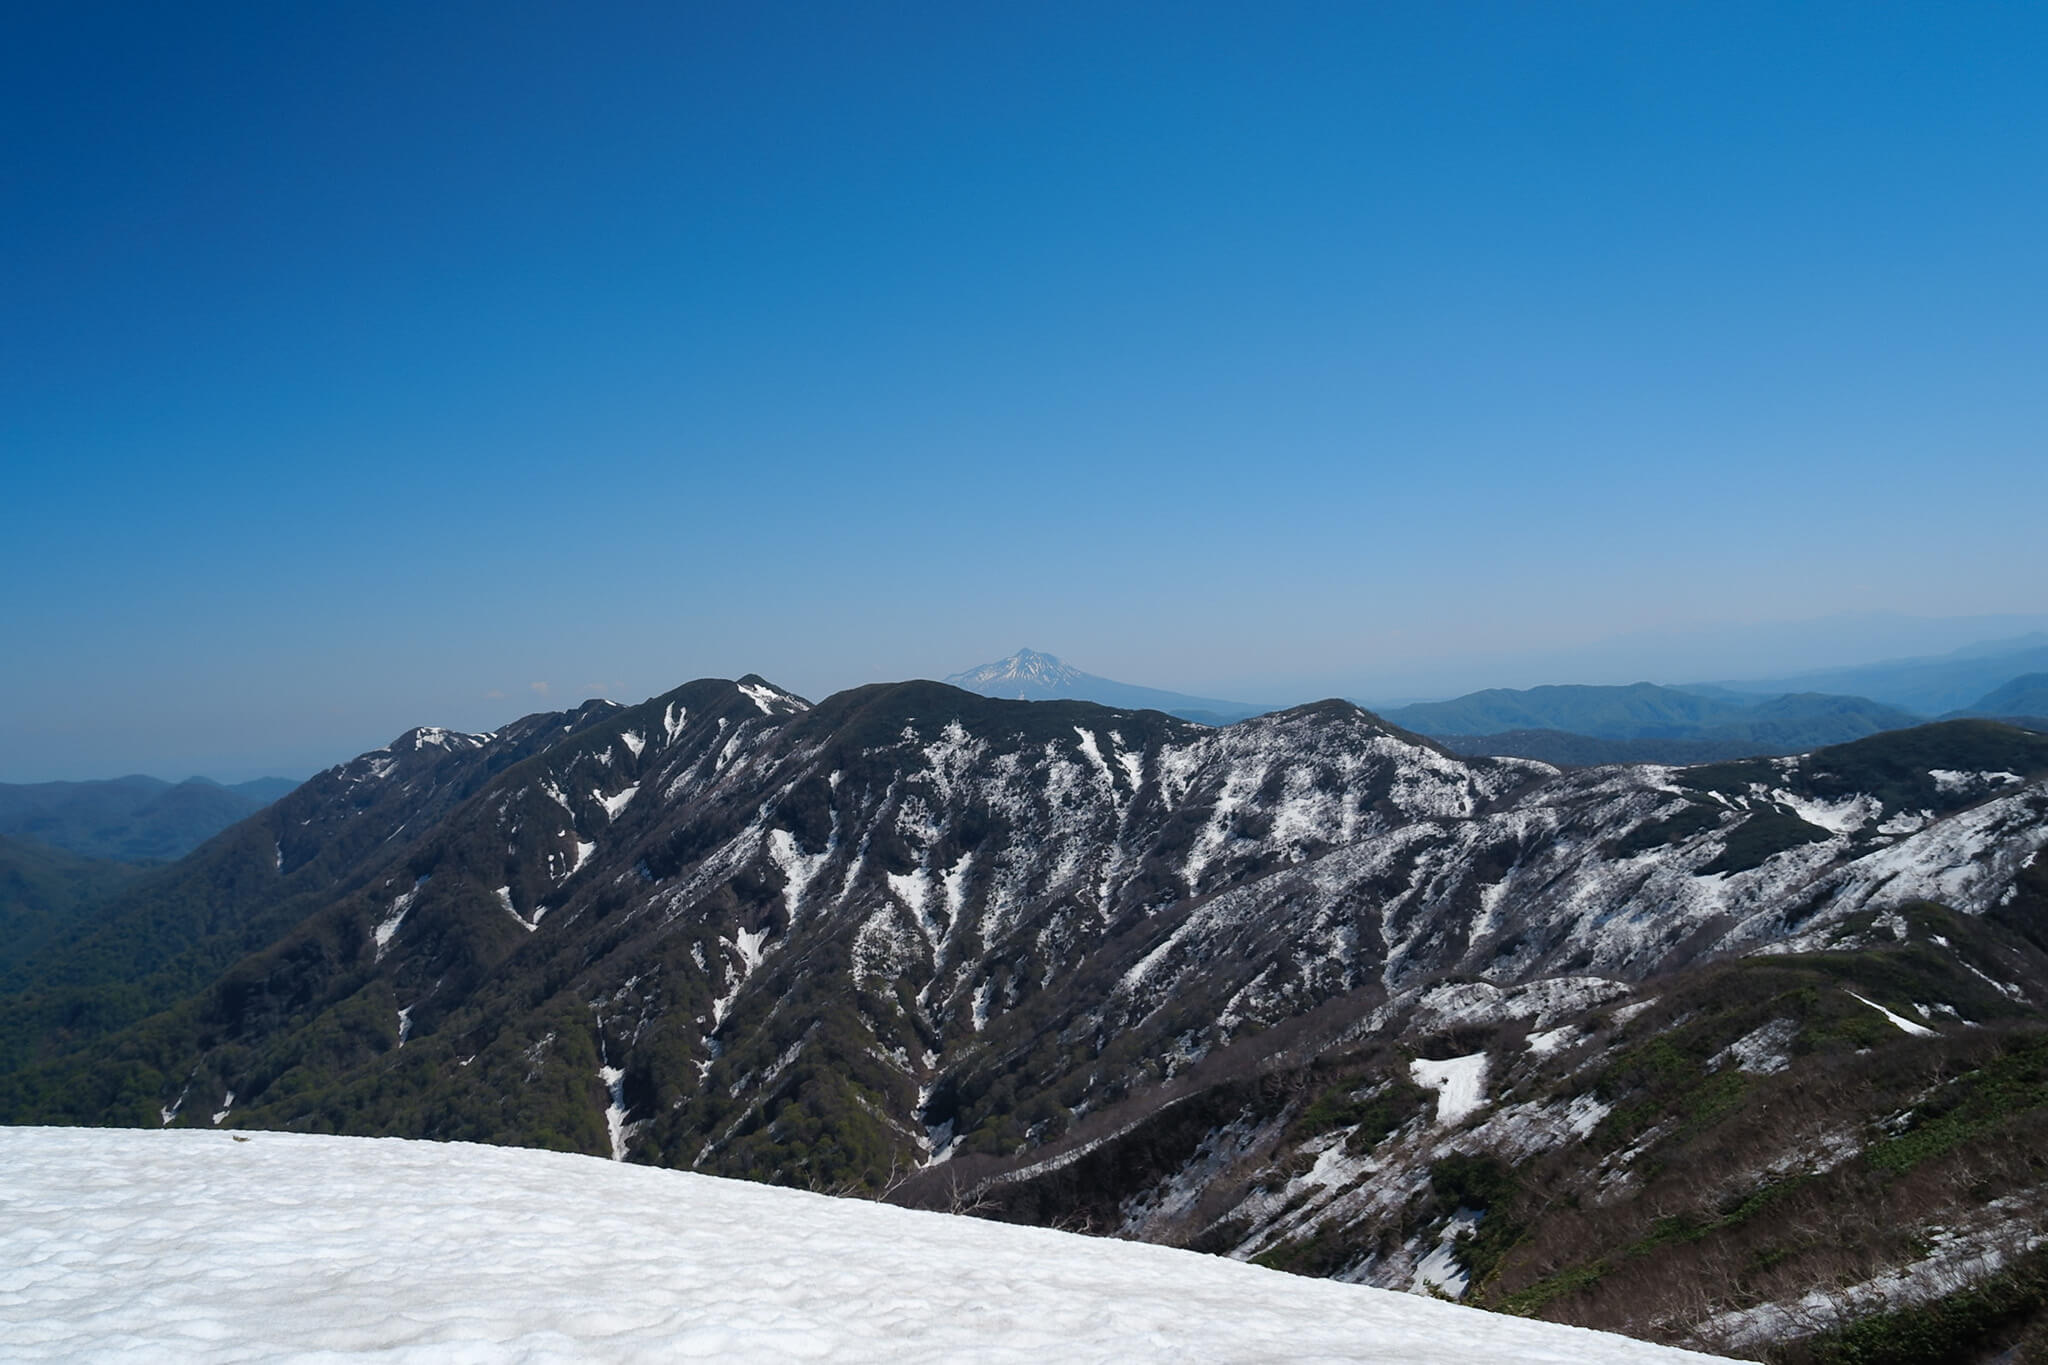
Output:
x,y
1641,722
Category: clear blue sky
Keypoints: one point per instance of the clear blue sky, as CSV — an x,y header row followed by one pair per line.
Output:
x,y
366,365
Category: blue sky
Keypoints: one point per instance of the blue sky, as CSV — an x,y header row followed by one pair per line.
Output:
x,y
365,366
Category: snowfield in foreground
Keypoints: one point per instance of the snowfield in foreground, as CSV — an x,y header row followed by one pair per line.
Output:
x,y
201,1246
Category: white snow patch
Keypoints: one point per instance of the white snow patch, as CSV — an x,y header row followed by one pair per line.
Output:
x,y
1460,1083
1550,1040
583,852
633,740
193,1246
388,926
1091,749
614,804
1906,1025
227,1103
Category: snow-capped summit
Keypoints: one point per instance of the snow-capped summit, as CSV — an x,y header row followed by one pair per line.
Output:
x,y
1026,675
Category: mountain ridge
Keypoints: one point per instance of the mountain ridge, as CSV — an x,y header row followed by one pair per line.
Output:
x,y
2026,695
1065,961
1790,722
1929,685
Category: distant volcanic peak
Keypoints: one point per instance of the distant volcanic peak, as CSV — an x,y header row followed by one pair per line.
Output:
x,y
1027,668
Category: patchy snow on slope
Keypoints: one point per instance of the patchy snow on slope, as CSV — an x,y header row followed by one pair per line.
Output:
x,y
1470,1003
1630,1011
1965,861
1520,1131
504,894
452,740
1955,783
1459,1082
2004,988
799,869
771,701
2006,1230
1844,816
167,1115
1762,1051
196,1246
1440,1269
747,943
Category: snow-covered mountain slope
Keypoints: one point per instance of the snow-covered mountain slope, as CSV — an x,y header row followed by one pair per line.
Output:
x,y
1110,969
214,1247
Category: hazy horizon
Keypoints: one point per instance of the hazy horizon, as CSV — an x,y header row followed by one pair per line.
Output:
x,y
406,365
1852,642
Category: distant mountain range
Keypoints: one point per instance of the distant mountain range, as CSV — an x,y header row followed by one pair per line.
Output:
x,y
1934,686
131,819
1647,711
1584,725
1030,675
1646,723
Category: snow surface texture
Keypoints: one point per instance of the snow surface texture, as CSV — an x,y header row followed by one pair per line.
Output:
x,y
202,1246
